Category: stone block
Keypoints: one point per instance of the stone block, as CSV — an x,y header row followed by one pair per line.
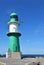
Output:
x,y
14,55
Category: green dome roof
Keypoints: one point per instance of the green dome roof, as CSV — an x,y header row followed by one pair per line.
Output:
x,y
14,18
13,14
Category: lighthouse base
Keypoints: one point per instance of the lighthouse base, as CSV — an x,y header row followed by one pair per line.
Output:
x,y
13,55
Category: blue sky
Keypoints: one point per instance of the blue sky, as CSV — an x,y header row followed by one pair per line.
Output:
x,y
31,17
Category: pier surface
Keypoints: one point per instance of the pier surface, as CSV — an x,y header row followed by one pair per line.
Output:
x,y
24,61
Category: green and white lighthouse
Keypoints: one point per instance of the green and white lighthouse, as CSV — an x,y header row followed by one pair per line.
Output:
x,y
13,34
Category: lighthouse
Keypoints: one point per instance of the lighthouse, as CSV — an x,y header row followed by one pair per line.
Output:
x,y
13,34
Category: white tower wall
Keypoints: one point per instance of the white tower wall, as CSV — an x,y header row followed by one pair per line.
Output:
x,y
13,27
